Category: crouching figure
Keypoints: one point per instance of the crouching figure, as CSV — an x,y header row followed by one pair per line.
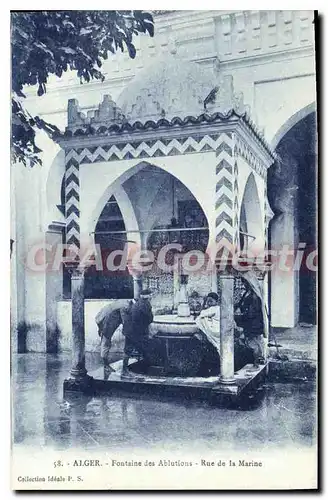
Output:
x,y
108,320
136,317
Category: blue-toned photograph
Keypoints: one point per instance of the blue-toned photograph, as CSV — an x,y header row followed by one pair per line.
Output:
x,y
163,250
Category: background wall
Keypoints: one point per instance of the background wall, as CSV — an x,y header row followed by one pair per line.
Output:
x,y
269,53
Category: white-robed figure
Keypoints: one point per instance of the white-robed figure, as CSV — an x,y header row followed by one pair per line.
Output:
x,y
209,320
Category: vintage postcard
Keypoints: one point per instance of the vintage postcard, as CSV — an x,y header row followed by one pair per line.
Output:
x,y
163,250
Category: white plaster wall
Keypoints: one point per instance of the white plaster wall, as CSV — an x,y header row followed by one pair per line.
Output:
x,y
30,206
295,93
30,284
48,179
55,175
274,89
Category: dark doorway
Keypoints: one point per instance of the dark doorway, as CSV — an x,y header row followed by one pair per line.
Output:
x,y
292,189
307,218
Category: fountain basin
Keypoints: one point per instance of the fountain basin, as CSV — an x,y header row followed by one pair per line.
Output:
x,y
172,324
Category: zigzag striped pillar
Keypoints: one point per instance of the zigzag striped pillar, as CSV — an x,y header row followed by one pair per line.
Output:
x,y
266,219
226,235
72,201
226,205
78,380
236,206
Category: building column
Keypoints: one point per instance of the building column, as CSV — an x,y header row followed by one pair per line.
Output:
x,y
137,286
78,340
263,280
284,230
284,280
227,330
79,380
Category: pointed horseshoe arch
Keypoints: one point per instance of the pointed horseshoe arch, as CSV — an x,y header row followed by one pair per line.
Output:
x,y
251,219
116,188
289,124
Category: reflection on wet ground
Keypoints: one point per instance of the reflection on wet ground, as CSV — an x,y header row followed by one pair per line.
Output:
x,y
279,415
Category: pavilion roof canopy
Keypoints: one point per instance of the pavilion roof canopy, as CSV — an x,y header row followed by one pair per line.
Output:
x,y
169,96
91,129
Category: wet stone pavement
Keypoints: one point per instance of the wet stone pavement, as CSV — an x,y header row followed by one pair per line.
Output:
x,y
279,415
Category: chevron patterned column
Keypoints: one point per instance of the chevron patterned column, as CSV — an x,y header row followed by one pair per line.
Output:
x,y
72,201
266,219
236,205
225,209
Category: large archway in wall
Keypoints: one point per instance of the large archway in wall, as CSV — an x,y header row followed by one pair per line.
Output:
x,y
251,219
291,122
140,209
292,194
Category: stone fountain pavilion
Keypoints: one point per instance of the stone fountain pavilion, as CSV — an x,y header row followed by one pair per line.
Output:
x,y
191,126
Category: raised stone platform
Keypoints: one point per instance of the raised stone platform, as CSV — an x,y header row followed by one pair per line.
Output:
x,y
209,388
295,359
298,343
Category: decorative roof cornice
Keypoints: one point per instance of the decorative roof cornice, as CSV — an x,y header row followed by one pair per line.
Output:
x,y
246,151
222,106
116,129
